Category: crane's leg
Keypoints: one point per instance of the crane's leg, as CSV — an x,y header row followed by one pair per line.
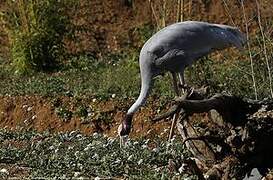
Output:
x,y
181,78
175,84
177,91
182,81
175,116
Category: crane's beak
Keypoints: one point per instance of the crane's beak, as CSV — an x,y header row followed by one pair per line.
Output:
x,y
123,133
123,141
124,129
243,39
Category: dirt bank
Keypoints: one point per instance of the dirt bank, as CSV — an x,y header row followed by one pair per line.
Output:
x,y
43,114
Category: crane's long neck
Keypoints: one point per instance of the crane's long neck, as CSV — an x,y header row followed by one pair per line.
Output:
x,y
146,84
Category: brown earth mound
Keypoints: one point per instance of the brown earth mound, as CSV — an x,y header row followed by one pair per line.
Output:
x,y
41,114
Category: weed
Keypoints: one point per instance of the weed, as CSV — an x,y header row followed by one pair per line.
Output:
x,y
64,113
36,29
82,111
85,113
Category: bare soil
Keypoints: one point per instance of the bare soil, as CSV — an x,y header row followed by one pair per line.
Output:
x,y
38,113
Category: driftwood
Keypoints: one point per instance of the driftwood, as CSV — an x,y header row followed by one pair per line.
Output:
x,y
236,137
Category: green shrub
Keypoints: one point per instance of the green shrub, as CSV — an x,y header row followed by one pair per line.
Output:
x,y
36,29
232,76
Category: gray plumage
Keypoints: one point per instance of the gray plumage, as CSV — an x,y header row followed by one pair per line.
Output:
x,y
176,47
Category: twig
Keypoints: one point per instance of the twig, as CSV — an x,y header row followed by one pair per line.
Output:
x,y
174,121
249,51
153,11
180,11
264,48
174,109
229,14
164,14
190,8
198,94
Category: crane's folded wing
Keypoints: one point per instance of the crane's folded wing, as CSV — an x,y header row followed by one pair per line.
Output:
x,y
171,59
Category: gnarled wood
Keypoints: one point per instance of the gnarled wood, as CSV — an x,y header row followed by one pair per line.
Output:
x,y
233,147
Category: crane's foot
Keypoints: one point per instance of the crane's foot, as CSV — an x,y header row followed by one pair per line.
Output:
x,y
185,89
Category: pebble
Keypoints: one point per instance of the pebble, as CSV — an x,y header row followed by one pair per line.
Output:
x,y
76,174
140,161
4,171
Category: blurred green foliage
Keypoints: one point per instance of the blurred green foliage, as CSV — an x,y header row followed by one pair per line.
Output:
x,y
36,29
230,75
118,75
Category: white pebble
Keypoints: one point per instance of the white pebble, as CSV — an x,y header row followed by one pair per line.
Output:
x,y
140,161
29,108
4,171
155,150
76,174
95,134
24,106
144,146
130,157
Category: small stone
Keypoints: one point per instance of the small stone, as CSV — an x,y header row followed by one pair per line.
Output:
x,y
182,169
140,161
76,174
155,150
4,171
24,106
26,121
130,157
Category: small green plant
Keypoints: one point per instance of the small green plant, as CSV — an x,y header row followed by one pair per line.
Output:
x,y
85,113
35,29
82,111
145,32
64,113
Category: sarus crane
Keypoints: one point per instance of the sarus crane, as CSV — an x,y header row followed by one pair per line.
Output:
x,y
174,48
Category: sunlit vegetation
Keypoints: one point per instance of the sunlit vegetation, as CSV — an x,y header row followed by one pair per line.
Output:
x,y
73,155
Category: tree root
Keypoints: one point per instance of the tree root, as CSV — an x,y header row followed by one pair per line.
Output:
x,y
242,142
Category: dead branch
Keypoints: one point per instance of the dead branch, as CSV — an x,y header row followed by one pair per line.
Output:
x,y
198,94
231,150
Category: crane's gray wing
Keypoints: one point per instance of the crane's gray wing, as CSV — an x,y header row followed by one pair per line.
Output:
x,y
173,60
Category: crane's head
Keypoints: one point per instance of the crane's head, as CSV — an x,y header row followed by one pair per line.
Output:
x,y
124,128
239,39
232,36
